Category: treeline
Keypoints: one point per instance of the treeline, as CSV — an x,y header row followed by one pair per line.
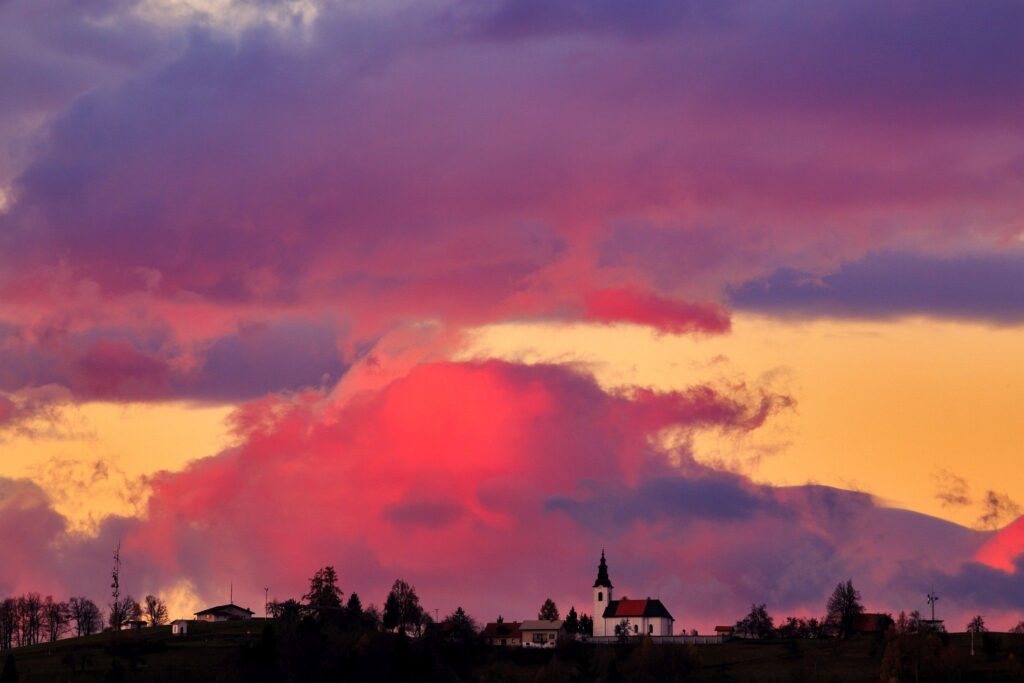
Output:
x,y
29,618
325,603
844,611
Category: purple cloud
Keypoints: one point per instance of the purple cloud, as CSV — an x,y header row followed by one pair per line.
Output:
x,y
987,287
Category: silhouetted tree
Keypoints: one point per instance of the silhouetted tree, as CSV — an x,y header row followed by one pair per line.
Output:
x,y
459,627
586,625
402,611
323,590
843,608
8,623
125,609
977,625
154,610
288,610
622,630
548,611
1019,628
757,624
30,618
86,616
572,621
355,605
55,616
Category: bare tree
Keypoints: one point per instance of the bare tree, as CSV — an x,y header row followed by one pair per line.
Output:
x,y
86,616
55,616
155,610
977,625
843,608
8,623
757,624
30,618
402,609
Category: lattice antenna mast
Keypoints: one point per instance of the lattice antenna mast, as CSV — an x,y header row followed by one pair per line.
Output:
x,y
932,599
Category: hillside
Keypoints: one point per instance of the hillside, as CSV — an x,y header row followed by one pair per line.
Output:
x,y
252,651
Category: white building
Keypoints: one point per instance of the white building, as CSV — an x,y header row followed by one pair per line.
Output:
x,y
542,632
179,627
639,617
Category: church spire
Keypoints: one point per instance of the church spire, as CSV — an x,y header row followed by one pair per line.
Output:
x,y
602,573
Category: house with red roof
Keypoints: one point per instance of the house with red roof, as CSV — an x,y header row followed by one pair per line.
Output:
x,y
647,616
504,633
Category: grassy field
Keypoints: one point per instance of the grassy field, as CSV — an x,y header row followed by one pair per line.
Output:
x,y
217,652
208,652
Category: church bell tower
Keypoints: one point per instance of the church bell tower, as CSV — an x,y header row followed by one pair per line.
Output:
x,y
602,596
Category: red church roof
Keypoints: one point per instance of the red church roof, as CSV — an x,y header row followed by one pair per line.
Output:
x,y
648,607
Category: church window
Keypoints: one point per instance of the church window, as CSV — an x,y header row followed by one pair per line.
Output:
x,y
600,596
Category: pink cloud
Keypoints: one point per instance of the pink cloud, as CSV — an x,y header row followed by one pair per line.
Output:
x,y
647,308
1005,548
467,165
494,485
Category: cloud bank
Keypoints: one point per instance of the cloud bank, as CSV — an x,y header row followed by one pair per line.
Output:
x,y
495,485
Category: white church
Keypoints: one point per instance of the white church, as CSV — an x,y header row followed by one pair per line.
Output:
x,y
639,617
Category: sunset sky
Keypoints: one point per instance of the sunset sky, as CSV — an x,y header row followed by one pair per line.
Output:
x,y
464,291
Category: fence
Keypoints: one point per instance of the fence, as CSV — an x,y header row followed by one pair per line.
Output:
x,y
658,640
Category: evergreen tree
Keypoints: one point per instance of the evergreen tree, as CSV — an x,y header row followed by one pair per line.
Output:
x,y
355,605
323,590
459,626
548,611
572,621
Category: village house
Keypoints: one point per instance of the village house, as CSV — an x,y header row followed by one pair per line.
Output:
x,y
542,632
638,617
228,612
503,633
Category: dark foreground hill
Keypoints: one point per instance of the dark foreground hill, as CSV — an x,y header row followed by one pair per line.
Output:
x,y
267,651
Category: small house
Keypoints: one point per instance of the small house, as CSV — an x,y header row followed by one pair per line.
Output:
x,y
503,633
228,612
179,627
541,632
